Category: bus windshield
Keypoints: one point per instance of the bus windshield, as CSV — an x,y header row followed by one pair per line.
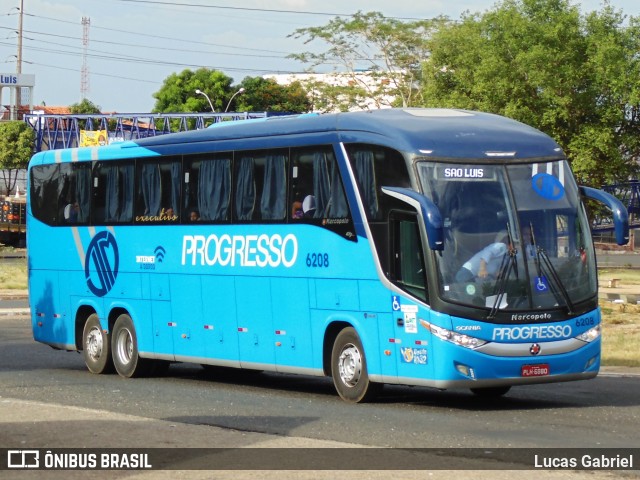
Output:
x,y
516,236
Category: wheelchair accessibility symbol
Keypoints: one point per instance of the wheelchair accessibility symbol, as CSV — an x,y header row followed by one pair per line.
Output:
x,y
541,284
395,303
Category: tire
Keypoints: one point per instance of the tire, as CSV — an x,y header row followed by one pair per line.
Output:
x,y
124,348
349,369
96,346
491,392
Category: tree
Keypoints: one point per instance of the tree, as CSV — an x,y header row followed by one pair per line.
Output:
x,y
266,95
542,62
178,91
391,51
85,107
16,147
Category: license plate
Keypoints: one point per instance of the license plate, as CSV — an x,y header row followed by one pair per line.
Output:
x,y
535,370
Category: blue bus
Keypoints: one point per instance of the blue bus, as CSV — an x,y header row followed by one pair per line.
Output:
x,y
431,247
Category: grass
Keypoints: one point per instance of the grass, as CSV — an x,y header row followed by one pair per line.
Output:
x,y
620,321
13,274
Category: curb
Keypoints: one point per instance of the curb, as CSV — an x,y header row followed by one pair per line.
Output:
x,y
15,312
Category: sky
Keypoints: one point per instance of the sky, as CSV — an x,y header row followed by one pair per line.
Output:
x,y
133,45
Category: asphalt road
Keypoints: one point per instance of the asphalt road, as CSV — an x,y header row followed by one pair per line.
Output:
x,y
48,399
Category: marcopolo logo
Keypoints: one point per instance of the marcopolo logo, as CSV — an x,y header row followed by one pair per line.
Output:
x,y
547,186
101,263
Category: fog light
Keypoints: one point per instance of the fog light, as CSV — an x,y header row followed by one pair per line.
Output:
x,y
590,363
465,370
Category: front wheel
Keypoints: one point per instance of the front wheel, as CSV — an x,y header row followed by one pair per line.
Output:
x,y
96,348
349,368
124,347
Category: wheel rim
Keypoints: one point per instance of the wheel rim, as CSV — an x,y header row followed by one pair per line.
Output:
x,y
350,365
94,343
124,346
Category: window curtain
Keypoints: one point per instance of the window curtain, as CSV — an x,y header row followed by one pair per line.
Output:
x,y
214,189
245,189
151,188
112,200
365,173
119,194
175,187
83,188
274,192
321,186
338,204
126,199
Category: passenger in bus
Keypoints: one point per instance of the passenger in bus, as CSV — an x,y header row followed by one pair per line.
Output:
x,y
309,206
71,213
484,264
296,208
194,216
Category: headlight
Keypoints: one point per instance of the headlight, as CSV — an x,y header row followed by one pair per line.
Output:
x,y
455,338
590,335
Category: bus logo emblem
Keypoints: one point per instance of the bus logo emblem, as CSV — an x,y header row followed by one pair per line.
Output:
x,y
160,253
101,263
547,186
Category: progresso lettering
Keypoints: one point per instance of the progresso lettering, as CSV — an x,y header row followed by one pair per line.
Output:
x,y
537,332
240,250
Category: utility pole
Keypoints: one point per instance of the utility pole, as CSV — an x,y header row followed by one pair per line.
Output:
x,y
18,90
84,75
19,56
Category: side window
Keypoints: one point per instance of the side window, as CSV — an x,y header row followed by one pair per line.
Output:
x,y
375,167
112,193
407,262
158,190
45,193
207,188
260,186
316,187
75,195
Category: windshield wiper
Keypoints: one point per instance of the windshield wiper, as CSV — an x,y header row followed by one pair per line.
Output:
x,y
509,263
555,285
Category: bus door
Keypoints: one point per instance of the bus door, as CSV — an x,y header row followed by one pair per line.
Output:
x,y
411,339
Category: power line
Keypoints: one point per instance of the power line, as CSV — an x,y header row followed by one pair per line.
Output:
x,y
248,9
147,61
137,45
93,73
161,37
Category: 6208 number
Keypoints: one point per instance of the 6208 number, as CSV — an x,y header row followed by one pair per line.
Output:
x,y
317,260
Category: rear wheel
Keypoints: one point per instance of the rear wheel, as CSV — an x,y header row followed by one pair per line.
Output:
x,y
349,368
96,346
124,347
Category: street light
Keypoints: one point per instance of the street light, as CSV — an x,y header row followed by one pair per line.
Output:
x,y
200,92
232,97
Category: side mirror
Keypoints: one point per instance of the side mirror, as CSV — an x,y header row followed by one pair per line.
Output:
x,y
429,213
620,213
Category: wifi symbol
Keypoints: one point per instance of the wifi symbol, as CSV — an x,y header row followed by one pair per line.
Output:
x,y
160,252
